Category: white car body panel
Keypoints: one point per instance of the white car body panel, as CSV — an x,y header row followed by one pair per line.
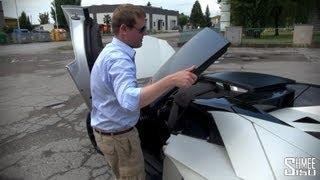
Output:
x,y
173,170
277,150
309,109
243,146
291,135
289,115
208,160
78,68
242,134
151,56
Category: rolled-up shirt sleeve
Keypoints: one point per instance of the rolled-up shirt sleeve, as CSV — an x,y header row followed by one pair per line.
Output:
x,y
122,74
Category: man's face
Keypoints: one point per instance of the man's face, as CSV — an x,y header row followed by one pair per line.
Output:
x,y
135,34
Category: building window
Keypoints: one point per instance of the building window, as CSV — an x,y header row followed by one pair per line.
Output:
x,y
154,23
163,24
172,23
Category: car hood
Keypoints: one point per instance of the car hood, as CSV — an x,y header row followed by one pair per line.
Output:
x,y
202,50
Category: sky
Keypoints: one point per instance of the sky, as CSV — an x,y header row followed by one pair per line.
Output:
x,y
34,7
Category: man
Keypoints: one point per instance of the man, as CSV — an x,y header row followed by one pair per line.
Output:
x,y
116,98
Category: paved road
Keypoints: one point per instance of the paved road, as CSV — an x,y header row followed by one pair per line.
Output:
x,y
50,47
42,126
33,48
300,64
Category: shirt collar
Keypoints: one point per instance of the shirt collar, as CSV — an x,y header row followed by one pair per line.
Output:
x,y
129,50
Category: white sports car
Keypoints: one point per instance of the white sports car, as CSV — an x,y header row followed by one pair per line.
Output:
x,y
229,125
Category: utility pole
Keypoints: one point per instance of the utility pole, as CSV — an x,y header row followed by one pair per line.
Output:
x,y
15,1
55,9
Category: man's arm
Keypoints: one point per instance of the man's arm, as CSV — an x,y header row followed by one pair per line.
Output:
x,y
122,76
181,79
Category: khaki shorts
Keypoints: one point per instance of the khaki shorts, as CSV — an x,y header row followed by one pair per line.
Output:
x,y
123,154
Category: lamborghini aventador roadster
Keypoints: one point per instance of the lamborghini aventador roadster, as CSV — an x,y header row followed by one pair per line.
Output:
x,y
228,125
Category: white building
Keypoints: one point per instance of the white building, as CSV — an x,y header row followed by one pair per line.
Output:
x,y
157,19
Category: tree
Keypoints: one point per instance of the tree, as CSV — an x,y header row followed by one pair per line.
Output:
x,y
303,10
149,4
207,17
107,19
275,13
289,12
182,20
196,17
24,21
278,13
60,16
249,13
44,18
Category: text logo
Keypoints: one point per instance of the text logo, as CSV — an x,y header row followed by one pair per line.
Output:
x,y
300,166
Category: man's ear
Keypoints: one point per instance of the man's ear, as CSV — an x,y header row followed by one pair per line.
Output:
x,y
123,29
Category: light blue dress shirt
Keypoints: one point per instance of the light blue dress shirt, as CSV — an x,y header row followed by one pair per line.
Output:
x,y
114,88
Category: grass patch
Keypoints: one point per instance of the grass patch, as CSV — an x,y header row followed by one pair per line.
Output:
x,y
316,37
269,38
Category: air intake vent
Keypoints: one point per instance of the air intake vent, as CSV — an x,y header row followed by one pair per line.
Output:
x,y
307,120
314,134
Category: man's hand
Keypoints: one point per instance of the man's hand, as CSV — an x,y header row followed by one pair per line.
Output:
x,y
184,78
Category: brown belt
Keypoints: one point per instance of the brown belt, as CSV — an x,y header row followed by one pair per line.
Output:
x,y
113,133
